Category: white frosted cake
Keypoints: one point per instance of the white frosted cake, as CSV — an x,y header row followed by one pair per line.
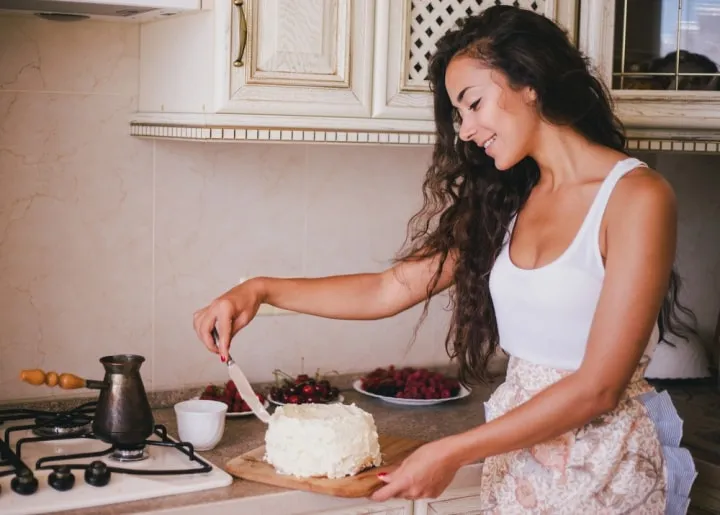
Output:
x,y
321,440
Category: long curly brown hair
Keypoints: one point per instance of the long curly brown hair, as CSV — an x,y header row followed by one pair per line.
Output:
x,y
468,203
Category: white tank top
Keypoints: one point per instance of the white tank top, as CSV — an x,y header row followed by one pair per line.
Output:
x,y
544,314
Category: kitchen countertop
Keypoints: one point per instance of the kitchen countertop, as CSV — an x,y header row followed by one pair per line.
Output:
x,y
243,434
698,403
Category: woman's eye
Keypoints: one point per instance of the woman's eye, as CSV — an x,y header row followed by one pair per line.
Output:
x,y
474,105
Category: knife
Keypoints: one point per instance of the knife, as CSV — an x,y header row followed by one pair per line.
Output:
x,y
243,386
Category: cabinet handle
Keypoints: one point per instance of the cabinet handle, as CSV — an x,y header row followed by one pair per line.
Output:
x,y
242,32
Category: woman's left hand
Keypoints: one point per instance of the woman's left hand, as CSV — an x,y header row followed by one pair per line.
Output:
x,y
425,474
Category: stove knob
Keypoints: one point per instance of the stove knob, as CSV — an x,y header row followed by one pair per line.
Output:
x,y
24,482
61,478
97,474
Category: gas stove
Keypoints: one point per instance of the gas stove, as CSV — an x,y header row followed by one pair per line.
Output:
x,y
53,459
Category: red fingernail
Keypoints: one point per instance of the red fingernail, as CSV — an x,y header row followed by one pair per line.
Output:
x,y
222,358
382,474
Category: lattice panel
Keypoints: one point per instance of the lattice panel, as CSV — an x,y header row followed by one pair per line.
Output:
x,y
430,19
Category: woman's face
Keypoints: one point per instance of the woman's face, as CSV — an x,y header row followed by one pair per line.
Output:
x,y
494,116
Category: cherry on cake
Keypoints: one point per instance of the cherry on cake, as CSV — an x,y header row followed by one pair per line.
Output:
x,y
321,440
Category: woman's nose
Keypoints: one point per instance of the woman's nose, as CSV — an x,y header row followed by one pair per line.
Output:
x,y
467,130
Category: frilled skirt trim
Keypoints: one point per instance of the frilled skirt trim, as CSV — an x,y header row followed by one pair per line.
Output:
x,y
679,465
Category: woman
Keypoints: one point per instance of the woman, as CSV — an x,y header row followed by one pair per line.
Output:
x,y
559,247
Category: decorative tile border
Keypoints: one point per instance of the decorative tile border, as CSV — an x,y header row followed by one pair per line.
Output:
x,y
668,144
673,145
287,135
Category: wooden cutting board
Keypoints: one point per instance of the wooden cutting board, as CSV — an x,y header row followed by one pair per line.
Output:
x,y
251,466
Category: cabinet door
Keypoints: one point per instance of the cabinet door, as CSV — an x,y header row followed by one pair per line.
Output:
x,y
660,58
294,57
398,507
406,34
465,501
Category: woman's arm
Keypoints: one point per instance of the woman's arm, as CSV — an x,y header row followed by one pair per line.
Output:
x,y
347,297
640,250
359,296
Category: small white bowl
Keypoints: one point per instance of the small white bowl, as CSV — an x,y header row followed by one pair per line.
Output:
x,y
201,422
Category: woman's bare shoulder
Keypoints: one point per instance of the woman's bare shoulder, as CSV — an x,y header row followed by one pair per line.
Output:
x,y
644,193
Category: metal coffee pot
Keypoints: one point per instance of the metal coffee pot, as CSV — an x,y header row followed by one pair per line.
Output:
x,y
123,416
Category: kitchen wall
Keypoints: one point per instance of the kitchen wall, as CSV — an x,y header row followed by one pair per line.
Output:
x,y
109,243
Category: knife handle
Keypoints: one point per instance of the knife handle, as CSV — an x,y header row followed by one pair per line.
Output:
x,y
216,339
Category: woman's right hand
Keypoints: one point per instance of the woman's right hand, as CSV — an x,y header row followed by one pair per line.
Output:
x,y
229,313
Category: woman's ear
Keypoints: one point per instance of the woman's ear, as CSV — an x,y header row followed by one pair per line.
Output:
x,y
530,95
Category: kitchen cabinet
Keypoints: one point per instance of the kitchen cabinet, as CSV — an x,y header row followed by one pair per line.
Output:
x,y
295,57
318,70
660,58
269,57
461,496
407,32
452,502
399,507
355,70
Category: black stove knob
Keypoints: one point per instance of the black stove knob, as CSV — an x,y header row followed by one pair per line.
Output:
x,y
24,482
97,474
61,478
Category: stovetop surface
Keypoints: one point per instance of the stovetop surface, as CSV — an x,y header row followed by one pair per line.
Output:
x,y
121,487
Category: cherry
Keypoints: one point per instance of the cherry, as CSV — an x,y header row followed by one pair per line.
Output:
x,y
301,389
321,390
308,390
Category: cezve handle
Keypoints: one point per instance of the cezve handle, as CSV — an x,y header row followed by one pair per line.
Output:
x,y
65,381
243,386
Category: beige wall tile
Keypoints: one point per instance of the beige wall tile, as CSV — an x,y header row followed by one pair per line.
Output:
x,y
84,57
359,203
75,236
223,211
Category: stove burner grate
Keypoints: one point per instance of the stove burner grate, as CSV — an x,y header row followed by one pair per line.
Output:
x,y
73,422
130,455
50,462
62,426
50,426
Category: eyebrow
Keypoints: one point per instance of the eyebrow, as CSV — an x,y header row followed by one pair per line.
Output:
x,y
462,93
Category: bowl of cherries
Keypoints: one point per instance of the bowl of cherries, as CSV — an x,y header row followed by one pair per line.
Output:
x,y
410,386
302,389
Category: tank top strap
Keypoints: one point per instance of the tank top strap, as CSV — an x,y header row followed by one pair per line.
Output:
x,y
593,220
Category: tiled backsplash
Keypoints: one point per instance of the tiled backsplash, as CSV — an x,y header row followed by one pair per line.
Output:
x,y
109,243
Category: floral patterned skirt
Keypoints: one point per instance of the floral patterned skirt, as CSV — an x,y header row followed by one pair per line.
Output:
x,y
626,461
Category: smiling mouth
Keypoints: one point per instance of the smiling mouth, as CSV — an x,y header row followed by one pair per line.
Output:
x,y
489,141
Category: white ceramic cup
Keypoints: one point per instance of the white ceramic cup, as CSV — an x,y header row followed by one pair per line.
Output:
x,y
201,422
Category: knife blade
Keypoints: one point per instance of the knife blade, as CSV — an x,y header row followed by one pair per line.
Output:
x,y
243,386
